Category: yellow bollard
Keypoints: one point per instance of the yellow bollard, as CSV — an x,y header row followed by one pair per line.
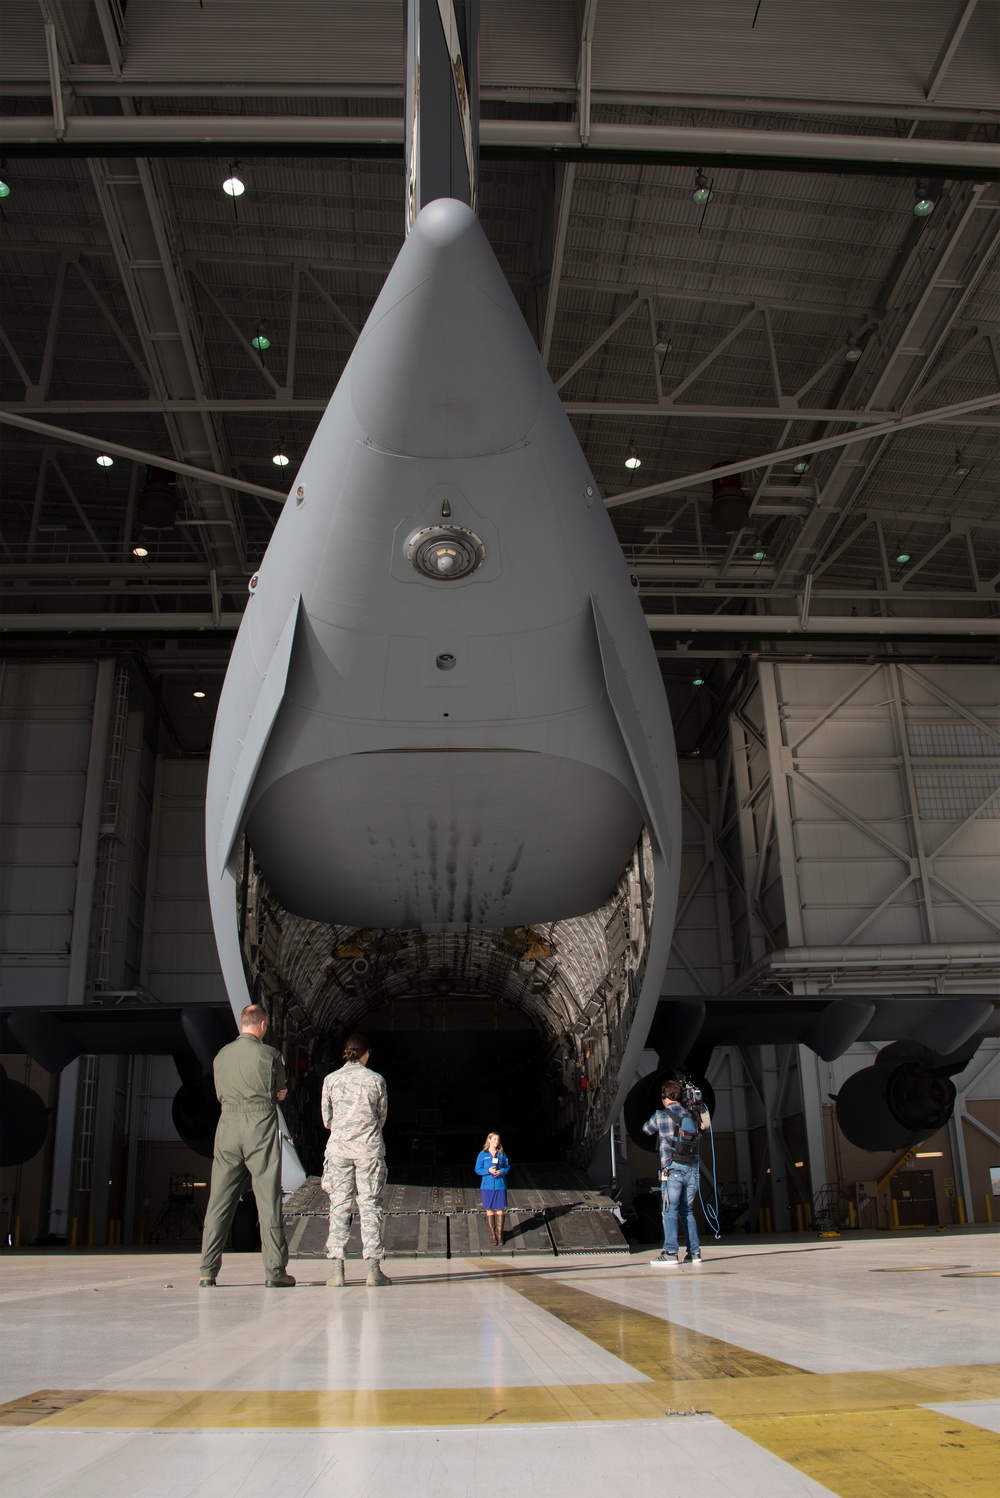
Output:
x,y
895,1214
73,1230
852,1216
960,1200
988,1202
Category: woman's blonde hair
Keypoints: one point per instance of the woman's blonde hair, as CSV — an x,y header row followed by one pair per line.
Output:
x,y
493,1135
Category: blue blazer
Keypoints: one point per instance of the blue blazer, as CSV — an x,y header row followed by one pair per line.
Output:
x,y
483,1165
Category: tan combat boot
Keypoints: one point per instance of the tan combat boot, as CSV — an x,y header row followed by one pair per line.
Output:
x,y
375,1275
336,1280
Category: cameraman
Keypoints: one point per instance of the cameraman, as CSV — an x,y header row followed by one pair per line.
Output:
x,y
679,1125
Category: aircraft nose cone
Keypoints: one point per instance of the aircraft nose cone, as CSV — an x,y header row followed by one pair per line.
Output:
x,y
446,366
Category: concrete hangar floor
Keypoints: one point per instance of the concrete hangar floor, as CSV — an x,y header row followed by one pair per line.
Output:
x,y
863,1366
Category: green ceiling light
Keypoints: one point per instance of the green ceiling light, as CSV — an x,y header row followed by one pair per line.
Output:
x,y
633,460
802,466
902,557
759,556
234,186
702,191
104,460
923,203
697,681
4,184
260,340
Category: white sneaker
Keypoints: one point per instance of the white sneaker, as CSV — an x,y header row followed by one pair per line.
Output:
x,y
665,1261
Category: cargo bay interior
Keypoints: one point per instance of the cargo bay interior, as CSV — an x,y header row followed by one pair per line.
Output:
x,y
760,256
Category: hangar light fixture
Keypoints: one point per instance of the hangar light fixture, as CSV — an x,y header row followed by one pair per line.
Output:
x,y
4,184
702,191
140,551
902,557
198,693
923,203
962,468
802,466
104,460
280,460
662,344
853,352
260,340
633,460
234,186
759,556
697,681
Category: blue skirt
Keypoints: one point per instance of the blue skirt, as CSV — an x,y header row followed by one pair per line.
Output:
x,y
495,1199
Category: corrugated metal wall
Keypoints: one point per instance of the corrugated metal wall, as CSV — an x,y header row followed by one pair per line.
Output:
x,y
45,724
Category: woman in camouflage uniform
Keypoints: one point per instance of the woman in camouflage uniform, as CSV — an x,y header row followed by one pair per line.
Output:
x,y
354,1109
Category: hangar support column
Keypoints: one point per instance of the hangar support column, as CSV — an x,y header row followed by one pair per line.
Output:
x,y
83,907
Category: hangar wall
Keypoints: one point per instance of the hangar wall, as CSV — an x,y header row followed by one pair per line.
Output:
x,y
851,814
844,806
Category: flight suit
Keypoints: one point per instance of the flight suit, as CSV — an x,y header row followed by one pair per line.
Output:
x,y
354,1106
248,1077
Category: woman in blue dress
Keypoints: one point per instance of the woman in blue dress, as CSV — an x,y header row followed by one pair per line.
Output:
x,y
492,1167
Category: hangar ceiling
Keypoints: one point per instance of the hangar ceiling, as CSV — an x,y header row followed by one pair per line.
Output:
x,y
692,334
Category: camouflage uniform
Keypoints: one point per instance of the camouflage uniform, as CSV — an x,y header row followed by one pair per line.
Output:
x,y
354,1110
248,1077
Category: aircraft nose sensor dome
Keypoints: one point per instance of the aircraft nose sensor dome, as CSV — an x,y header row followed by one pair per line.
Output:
x,y
445,552
422,382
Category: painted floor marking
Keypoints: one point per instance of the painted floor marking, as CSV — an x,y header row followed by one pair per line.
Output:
x,y
859,1434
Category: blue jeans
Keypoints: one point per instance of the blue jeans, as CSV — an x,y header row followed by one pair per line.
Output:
x,y
680,1191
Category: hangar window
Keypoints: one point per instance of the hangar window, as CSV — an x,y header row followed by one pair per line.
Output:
x,y
951,741
951,797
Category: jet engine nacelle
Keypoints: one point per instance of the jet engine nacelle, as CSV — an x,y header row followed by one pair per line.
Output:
x,y
900,1101
24,1122
644,1099
195,1111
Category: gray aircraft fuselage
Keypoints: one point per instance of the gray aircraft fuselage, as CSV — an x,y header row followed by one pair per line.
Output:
x,y
443,709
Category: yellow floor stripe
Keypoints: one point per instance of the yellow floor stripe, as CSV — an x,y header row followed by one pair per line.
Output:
x,y
660,1349
305,1409
908,1453
736,1400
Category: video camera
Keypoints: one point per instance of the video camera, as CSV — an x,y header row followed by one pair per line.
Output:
x,y
691,1096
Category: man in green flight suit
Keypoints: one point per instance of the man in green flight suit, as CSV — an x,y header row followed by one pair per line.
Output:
x,y
249,1081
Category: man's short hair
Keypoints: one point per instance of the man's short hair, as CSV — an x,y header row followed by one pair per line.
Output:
x,y
671,1091
252,1015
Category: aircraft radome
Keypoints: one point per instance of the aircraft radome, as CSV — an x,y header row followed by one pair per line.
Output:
x,y
443,712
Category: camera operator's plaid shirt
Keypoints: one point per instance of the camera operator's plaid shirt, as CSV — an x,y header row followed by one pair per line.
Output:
x,y
665,1122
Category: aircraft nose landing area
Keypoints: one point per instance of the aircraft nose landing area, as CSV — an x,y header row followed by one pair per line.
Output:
x,y
780,1368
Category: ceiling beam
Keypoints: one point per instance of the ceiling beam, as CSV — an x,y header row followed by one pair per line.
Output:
x,y
102,445
747,626
91,81
314,406
776,150
802,450
875,626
